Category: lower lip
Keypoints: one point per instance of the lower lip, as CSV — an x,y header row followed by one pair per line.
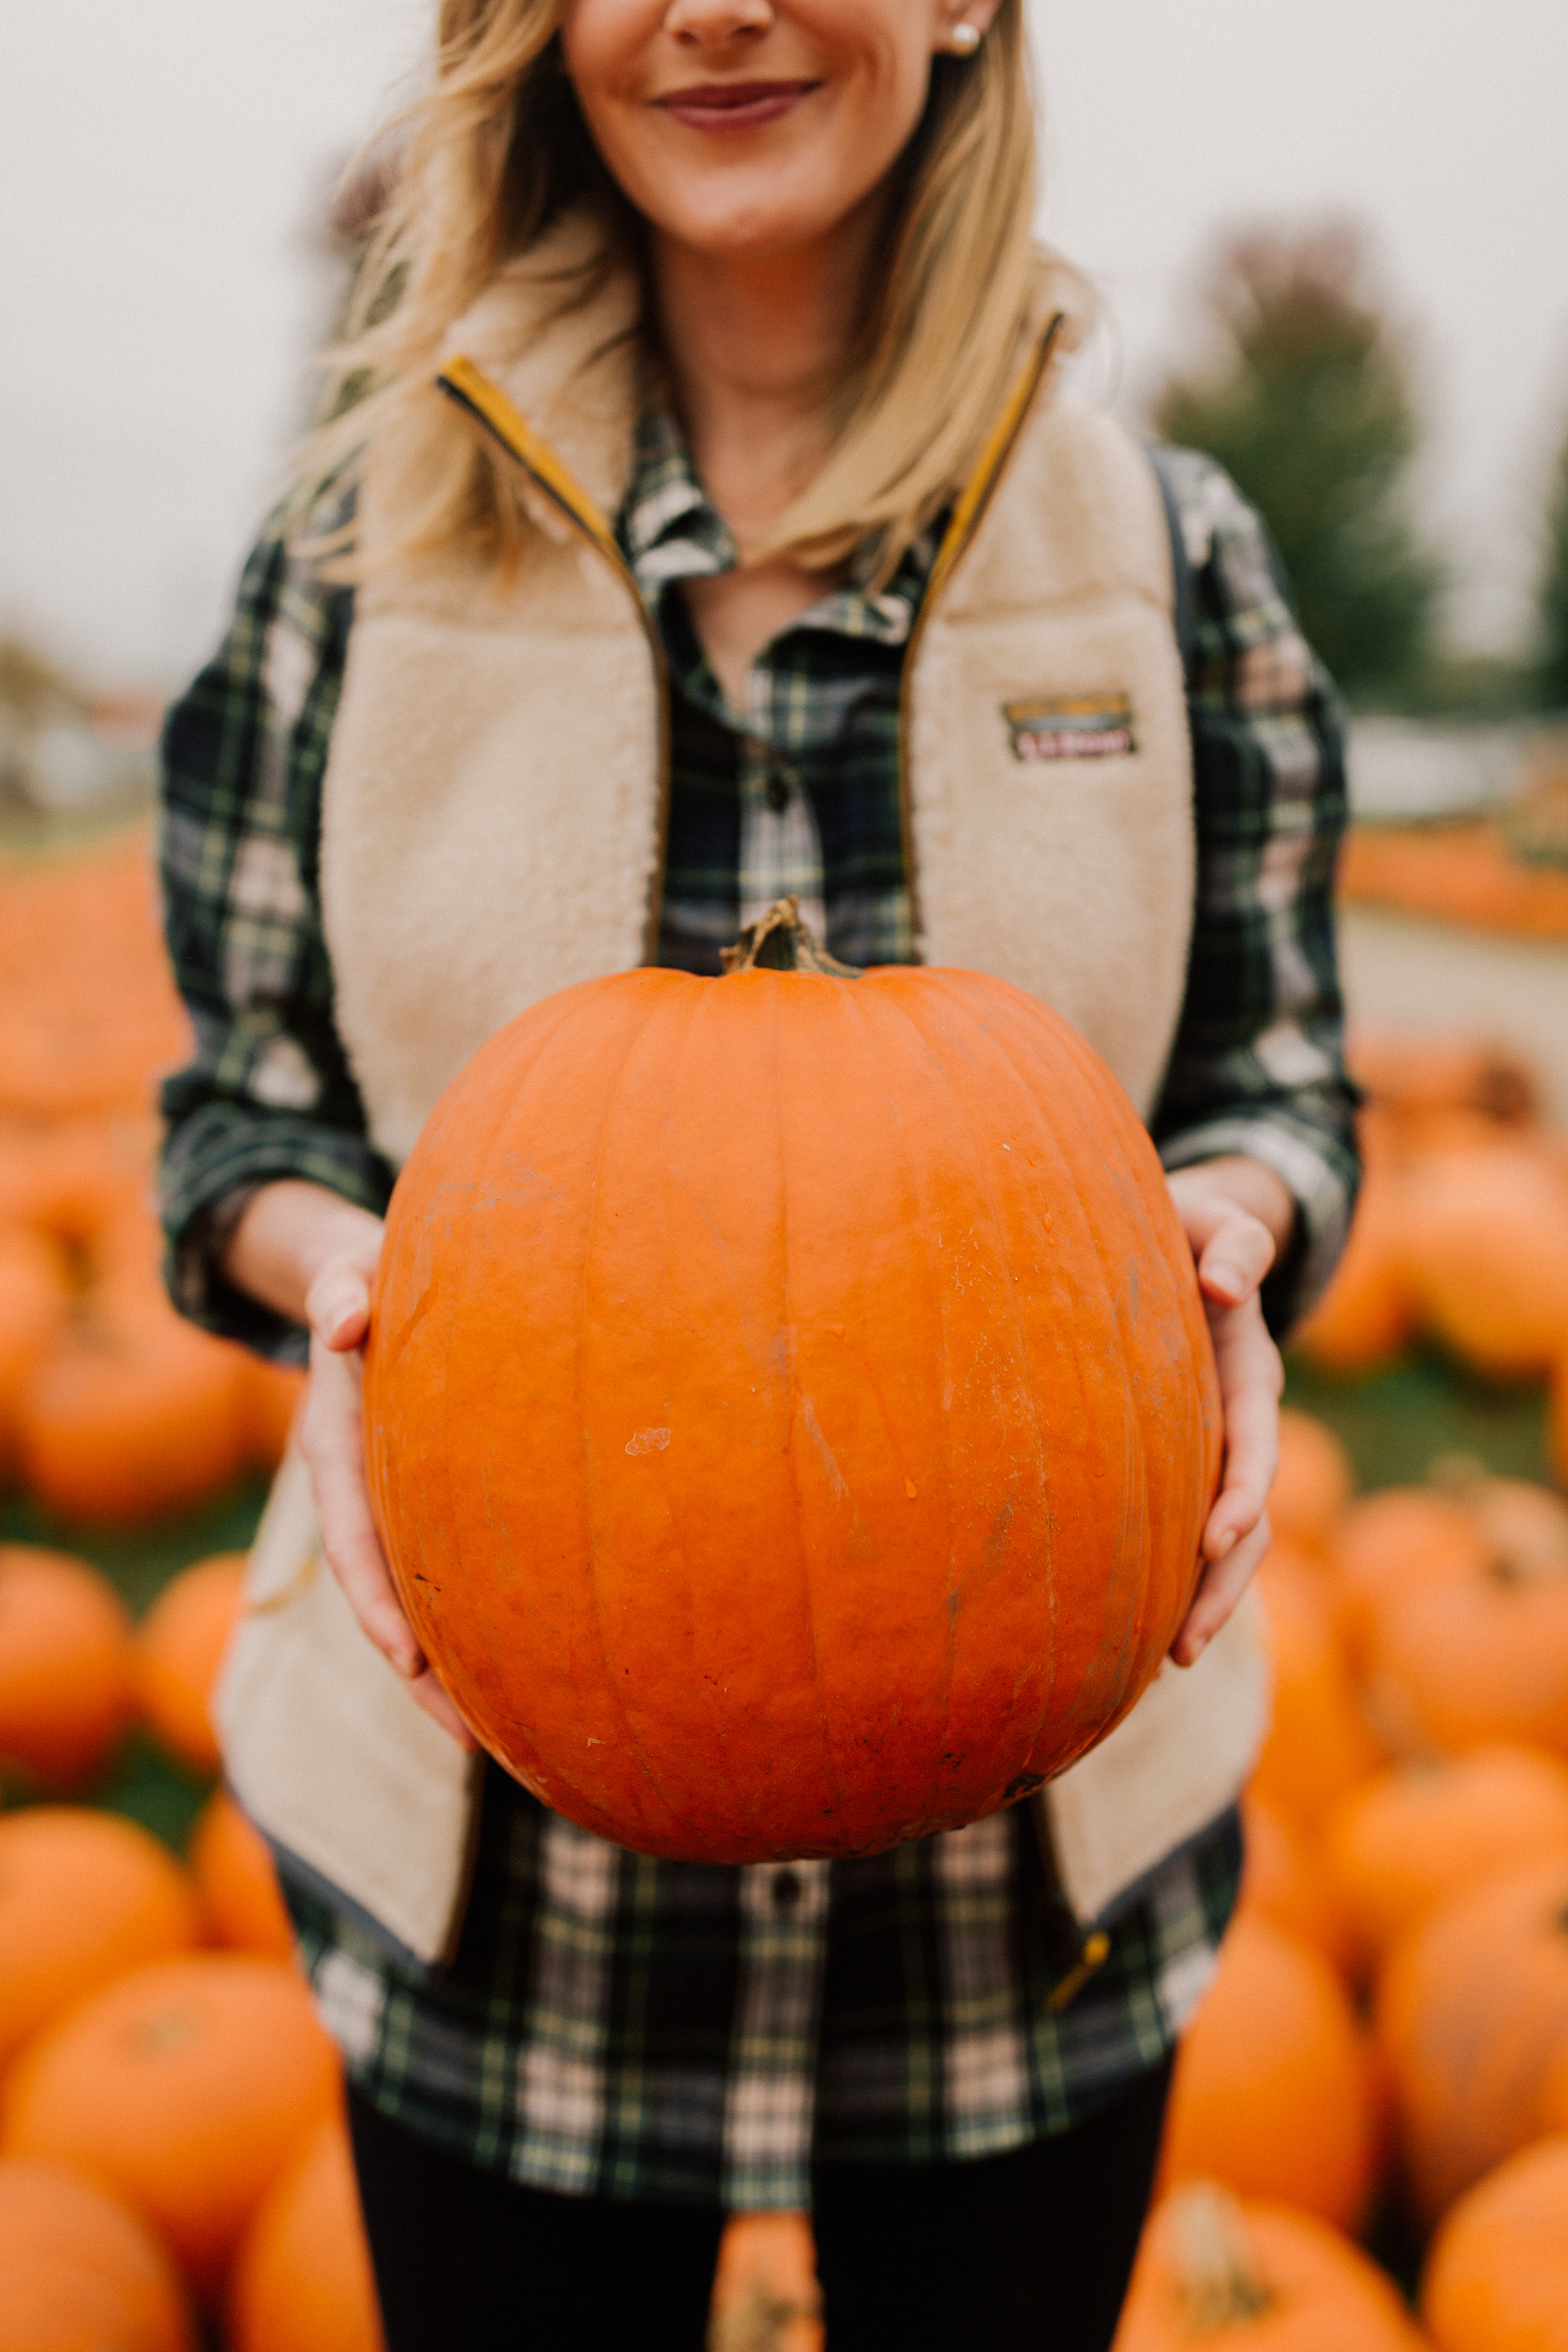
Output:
x,y
755,115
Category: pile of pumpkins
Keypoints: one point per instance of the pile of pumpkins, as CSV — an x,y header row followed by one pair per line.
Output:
x,y
1461,1233
112,1408
173,2148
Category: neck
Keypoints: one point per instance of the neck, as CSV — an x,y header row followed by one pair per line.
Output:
x,y
756,347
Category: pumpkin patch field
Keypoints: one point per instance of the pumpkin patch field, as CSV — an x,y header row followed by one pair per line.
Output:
x,y
1368,2139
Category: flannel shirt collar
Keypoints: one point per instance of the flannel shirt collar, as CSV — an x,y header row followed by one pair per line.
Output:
x,y
669,530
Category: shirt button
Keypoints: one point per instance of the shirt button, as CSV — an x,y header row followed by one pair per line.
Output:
x,y
787,1889
778,793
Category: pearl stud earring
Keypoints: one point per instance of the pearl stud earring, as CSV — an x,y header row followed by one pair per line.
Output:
x,y
963,40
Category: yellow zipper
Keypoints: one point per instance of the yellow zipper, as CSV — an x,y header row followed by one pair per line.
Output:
x,y
967,516
472,390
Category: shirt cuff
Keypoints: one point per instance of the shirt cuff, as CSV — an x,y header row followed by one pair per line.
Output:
x,y
1321,1177
214,1162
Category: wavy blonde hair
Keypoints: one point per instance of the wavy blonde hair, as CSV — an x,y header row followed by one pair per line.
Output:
x,y
495,151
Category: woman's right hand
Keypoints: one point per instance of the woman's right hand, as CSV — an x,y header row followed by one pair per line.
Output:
x,y
313,1257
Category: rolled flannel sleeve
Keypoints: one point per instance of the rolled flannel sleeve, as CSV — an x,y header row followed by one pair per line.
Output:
x,y
268,1092
1258,1067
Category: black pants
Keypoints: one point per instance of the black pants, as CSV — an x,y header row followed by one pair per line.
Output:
x,y
1023,2252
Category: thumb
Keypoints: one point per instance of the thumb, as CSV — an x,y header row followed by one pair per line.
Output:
x,y
338,1307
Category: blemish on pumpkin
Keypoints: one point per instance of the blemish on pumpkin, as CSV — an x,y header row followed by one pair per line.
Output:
x,y
648,1441
908,1489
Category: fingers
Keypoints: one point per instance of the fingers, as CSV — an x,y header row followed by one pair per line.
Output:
x,y
337,1304
1251,1377
433,1696
1234,1259
333,1443
1221,1586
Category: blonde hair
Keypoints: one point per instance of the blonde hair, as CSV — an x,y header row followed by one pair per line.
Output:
x,y
495,151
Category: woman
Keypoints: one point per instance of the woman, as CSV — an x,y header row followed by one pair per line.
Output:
x,y
708,527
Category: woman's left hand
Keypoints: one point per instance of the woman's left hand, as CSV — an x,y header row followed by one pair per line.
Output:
x,y
1238,1216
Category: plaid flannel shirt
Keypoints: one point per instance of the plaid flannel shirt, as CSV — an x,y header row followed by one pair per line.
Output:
x,y
616,2025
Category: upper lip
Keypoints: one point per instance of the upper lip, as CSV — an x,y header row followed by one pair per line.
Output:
x,y
730,93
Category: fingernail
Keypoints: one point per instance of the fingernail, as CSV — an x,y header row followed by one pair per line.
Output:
x,y
409,1664
1226,1277
1196,1647
1224,1543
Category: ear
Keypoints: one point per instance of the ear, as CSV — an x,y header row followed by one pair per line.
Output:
x,y
962,25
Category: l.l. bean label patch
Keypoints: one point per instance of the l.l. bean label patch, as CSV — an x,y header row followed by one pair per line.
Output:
x,y
1070,726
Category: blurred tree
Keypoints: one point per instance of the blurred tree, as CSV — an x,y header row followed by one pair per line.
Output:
x,y
1310,408
1554,593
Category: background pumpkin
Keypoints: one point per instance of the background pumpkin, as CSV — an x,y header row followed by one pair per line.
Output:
x,y
1312,1485
66,1665
180,1648
1483,1658
1273,2093
1320,1744
186,2089
1497,2277
1472,2013
1394,1547
790,1411
81,2273
1407,1841
1256,2277
302,2279
1486,1251
241,1902
84,1896
1284,1881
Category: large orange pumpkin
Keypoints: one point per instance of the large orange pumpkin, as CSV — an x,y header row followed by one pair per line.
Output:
x,y
66,1665
81,2273
791,1415
302,2279
1497,2277
236,1882
186,2089
84,1896
1472,2011
1407,1841
1254,2278
180,1648
1274,2091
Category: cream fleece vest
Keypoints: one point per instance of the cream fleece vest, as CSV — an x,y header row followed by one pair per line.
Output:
x,y
493,830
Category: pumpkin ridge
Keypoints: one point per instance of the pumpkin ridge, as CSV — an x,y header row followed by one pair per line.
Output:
x,y
639,1038
961,1013
859,1006
822,1707
939,984
1109,1672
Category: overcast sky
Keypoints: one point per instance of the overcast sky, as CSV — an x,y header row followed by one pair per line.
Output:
x,y
160,162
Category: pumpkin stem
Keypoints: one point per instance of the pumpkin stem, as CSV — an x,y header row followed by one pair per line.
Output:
x,y
781,941
1215,2263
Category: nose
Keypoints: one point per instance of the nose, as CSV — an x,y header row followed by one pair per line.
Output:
x,y
709,24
